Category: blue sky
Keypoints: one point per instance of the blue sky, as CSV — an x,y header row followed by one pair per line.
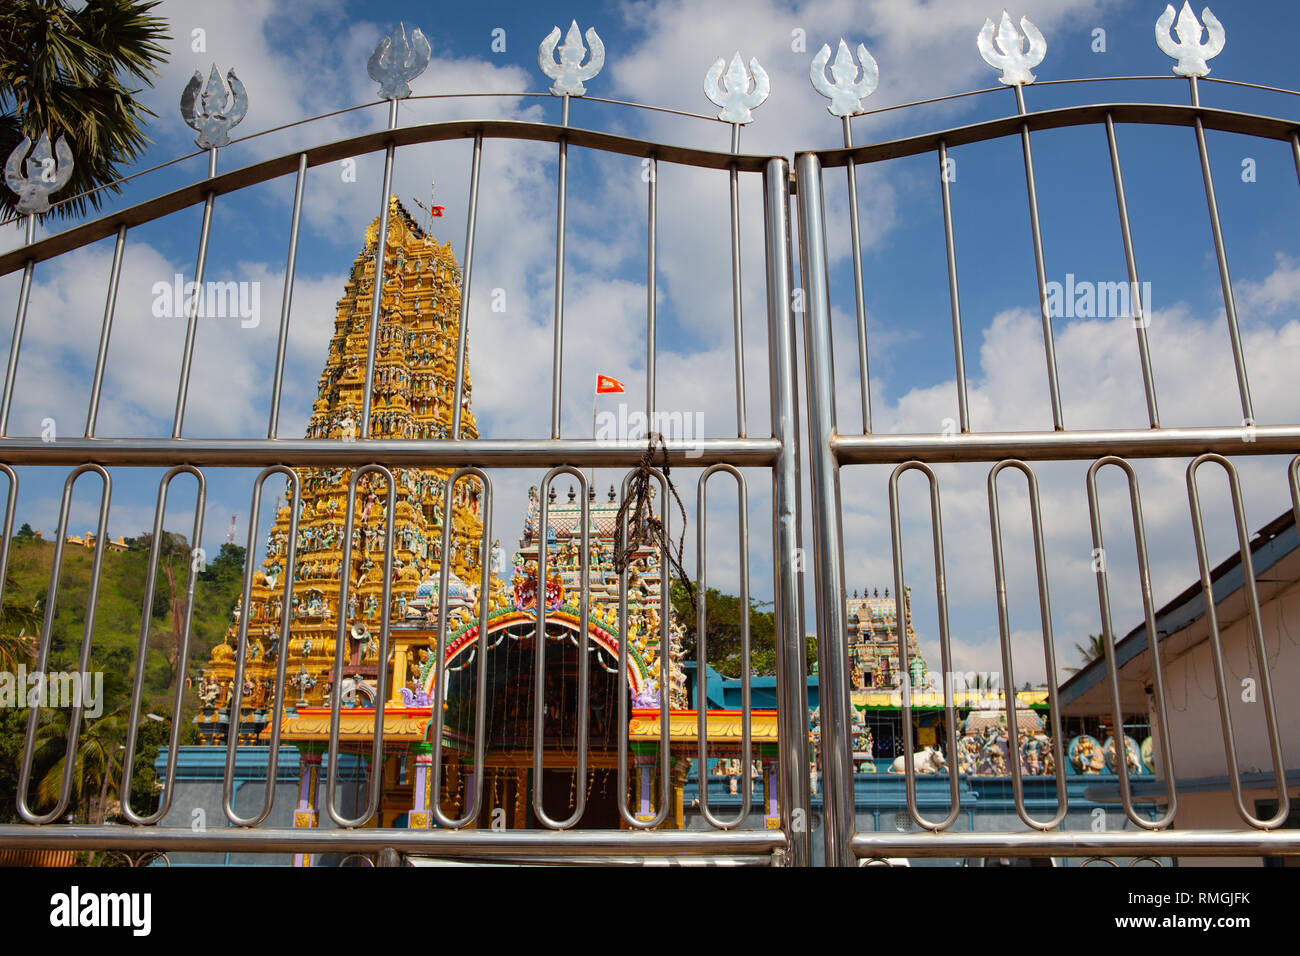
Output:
x,y
309,58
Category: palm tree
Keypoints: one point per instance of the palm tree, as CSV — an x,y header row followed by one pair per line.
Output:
x,y
16,648
97,763
1095,650
64,72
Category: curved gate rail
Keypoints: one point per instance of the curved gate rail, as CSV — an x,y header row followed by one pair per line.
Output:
x,y
831,450
777,453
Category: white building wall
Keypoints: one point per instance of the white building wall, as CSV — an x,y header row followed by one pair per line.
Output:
x,y
1194,722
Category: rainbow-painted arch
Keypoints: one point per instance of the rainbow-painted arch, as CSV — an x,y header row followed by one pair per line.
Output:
x,y
463,640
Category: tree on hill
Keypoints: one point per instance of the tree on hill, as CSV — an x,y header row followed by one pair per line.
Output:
x,y
25,533
16,620
723,643
228,565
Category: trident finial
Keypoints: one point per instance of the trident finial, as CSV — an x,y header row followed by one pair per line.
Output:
x,y
1189,51
569,72
40,176
848,91
395,62
735,97
1013,60
222,108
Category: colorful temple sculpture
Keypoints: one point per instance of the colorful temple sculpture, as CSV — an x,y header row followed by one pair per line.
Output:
x,y
413,398
983,745
413,394
873,643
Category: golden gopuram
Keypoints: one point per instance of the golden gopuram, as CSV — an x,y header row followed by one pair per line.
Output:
x,y
413,396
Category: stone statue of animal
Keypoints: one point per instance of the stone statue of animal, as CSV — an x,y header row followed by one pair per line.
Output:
x,y
928,760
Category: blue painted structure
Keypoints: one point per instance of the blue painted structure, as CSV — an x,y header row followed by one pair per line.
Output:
x,y
723,693
197,801
988,805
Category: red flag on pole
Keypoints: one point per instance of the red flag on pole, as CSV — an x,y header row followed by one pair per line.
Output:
x,y
606,385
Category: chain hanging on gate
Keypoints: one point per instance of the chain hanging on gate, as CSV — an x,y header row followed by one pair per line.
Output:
x,y
644,528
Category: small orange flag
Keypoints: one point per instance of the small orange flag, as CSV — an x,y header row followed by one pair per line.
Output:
x,y
606,385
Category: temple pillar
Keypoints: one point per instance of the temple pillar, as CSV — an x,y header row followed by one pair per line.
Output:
x,y
471,782
419,817
451,787
645,765
399,675
521,804
680,767
305,815
772,820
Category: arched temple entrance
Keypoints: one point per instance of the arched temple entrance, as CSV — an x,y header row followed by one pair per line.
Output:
x,y
512,698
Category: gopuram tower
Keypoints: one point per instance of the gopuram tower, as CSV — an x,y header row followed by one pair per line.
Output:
x,y
413,396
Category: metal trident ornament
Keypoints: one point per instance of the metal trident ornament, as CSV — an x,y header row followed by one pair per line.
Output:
x,y
1011,57
848,91
40,176
222,108
735,97
1189,51
569,72
395,62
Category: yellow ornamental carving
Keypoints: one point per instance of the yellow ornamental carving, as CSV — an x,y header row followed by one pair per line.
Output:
x,y
412,398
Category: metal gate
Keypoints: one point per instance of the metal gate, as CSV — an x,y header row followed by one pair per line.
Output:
x,y
778,455
831,450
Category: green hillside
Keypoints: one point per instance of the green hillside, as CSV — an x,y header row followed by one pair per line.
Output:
x,y
118,609
118,615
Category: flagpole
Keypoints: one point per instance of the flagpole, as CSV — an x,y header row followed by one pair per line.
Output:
x,y
595,395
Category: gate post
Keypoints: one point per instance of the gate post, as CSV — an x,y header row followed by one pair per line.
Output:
x,y
828,566
791,683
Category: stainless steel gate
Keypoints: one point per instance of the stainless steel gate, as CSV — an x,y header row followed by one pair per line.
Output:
x,y
829,452
399,59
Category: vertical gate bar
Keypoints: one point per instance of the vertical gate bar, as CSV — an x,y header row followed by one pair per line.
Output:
x,y
110,308
791,654
1216,643
903,618
47,636
737,307
440,661
859,293
1108,642
192,318
20,320
539,655
1040,267
1293,473
11,501
1295,152
462,326
954,296
377,287
142,648
1049,644
652,288
665,742
832,640
241,648
7,530
286,302
381,690
1221,254
623,709
561,206
1138,308
702,655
